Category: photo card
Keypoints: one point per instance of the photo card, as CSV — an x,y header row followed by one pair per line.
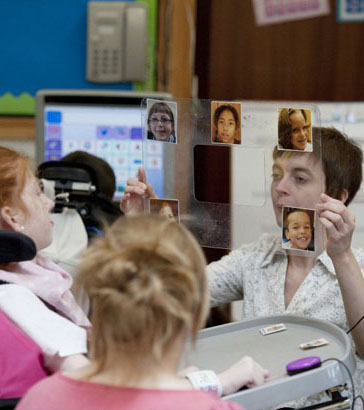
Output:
x,y
168,208
294,129
298,229
226,122
162,120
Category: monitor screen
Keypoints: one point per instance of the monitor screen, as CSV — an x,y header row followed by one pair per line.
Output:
x,y
106,124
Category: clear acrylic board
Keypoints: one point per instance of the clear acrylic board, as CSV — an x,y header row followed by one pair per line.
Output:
x,y
193,136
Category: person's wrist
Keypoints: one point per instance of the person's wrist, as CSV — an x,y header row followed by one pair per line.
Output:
x,y
207,381
228,384
341,257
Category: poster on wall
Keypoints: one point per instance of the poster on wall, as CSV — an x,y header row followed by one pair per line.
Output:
x,y
280,11
350,10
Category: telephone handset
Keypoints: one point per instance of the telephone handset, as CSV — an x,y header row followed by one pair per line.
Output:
x,y
116,41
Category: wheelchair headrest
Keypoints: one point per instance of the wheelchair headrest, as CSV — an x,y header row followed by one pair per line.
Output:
x,y
69,176
76,186
73,184
105,181
16,247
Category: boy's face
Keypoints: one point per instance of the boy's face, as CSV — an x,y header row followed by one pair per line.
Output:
x,y
298,181
299,229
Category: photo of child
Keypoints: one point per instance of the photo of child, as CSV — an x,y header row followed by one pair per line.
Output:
x,y
162,120
168,208
225,122
294,129
298,229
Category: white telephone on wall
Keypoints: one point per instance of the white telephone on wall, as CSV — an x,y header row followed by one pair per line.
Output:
x,y
116,41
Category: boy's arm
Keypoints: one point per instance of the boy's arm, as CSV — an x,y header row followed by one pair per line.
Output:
x,y
339,223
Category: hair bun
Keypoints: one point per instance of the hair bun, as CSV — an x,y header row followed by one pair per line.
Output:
x,y
146,279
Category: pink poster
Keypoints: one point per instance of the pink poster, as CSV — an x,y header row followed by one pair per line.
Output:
x,y
280,11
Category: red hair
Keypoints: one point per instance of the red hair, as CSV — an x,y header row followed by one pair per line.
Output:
x,y
14,169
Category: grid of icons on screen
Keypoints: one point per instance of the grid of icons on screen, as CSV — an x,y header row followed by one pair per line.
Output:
x,y
120,146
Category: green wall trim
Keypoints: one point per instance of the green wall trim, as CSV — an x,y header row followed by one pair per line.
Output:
x,y
150,83
24,104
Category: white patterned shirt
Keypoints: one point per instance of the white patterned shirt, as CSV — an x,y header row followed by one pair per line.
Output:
x,y
256,273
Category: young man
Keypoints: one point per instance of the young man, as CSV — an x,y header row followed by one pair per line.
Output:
x,y
329,286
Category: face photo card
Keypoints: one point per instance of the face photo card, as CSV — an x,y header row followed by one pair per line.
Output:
x,y
168,208
294,129
226,122
298,229
162,120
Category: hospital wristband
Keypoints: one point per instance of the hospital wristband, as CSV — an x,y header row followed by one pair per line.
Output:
x,y
205,380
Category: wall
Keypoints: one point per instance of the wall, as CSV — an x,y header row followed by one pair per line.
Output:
x,y
312,59
45,47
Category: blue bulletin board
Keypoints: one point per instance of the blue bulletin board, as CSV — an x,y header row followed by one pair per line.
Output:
x,y
43,45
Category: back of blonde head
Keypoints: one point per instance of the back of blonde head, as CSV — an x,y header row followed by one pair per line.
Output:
x,y
146,280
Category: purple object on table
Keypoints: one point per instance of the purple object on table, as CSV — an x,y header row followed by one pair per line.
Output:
x,y
301,365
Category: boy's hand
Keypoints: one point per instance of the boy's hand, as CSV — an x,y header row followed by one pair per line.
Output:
x,y
136,191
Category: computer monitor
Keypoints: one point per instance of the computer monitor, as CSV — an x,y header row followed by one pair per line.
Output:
x,y
107,124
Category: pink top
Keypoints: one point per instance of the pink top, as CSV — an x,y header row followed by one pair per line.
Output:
x,y
61,392
50,283
21,360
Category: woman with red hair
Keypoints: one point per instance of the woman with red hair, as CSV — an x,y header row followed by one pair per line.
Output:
x,y
36,294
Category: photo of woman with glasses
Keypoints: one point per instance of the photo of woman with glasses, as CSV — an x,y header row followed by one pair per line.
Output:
x,y
161,121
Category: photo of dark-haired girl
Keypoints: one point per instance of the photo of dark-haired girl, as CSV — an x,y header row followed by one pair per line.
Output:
x,y
225,122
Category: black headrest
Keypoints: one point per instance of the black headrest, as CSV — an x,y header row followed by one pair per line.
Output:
x,y
16,247
64,170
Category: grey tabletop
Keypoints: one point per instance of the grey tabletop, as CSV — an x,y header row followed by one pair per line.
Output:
x,y
219,347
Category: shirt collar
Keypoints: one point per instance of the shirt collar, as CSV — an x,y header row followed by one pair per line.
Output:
x,y
274,251
275,254
325,260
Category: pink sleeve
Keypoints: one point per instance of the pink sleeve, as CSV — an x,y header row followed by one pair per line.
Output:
x,y
225,405
233,406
